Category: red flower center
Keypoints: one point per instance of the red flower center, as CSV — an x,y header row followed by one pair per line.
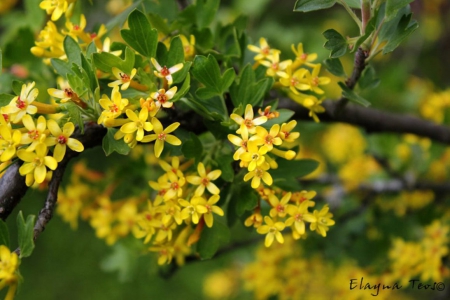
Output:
x,y
162,136
165,71
20,103
62,140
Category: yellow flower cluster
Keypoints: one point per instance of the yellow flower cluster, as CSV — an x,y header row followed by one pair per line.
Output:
x,y
412,200
29,138
182,202
255,142
56,8
424,258
9,271
289,210
301,84
433,106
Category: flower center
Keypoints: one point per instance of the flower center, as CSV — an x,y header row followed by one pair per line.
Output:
x,y
34,134
62,140
162,192
113,108
280,208
323,221
275,66
162,98
6,117
208,207
298,217
20,103
265,50
124,77
259,172
205,181
286,134
304,56
93,35
165,71
68,92
269,139
175,186
76,27
248,123
162,136
315,81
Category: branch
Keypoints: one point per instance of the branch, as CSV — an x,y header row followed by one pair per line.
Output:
x,y
182,4
373,120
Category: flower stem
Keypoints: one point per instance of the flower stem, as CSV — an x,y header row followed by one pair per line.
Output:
x,y
352,14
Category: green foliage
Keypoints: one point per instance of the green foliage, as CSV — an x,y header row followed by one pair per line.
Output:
x,y
4,234
207,71
368,79
334,66
247,90
5,99
393,6
111,145
336,43
105,61
289,171
141,36
26,234
352,95
193,147
74,114
213,239
311,5
73,50
244,198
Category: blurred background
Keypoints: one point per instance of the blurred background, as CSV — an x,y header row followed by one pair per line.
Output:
x,y
74,264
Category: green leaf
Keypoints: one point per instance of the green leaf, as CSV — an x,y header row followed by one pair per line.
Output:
x,y
336,43
370,27
354,3
285,115
5,99
393,6
120,19
368,79
17,86
247,91
105,61
212,239
1,61
159,23
310,5
62,67
73,50
246,199
122,260
26,234
141,37
74,114
111,145
225,162
207,71
288,169
4,234
405,27
206,12
183,89
193,147
352,95
334,66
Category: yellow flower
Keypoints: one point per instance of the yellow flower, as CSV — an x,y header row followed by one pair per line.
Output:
x,y
165,72
204,180
275,67
9,140
36,163
310,102
254,220
162,97
61,139
165,253
162,135
294,80
174,168
112,108
207,208
36,132
312,81
56,7
190,209
9,264
76,30
248,123
263,50
21,105
296,220
285,132
122,78
137,124
320,221
260,172
240,142
254,156
302,57
272,231
49,42
173,186
268,139
150,105
188,46
279,207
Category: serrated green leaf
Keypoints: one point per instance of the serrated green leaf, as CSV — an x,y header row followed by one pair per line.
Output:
x,y
207,71
246,199
4,234
368,79
111,145
393,6
311,5
73,50
206,12
197,106
405,27
294,168
212,239
26,234
193,147
105,61
5,99
141,37
352,95
225,165
334,66
16,86
336,43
